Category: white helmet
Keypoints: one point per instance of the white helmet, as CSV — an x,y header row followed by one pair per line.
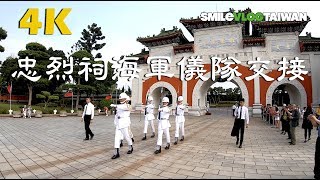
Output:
x,y
165,99
150,98
180,98
123,96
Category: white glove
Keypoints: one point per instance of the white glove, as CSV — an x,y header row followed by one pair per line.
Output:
x,y
113,105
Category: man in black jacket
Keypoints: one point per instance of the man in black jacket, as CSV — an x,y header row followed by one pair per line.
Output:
x,y
294,117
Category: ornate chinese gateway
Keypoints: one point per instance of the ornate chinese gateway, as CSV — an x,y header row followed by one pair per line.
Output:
x,y
270,42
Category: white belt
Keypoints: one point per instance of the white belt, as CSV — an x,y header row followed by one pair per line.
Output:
x,y
179,114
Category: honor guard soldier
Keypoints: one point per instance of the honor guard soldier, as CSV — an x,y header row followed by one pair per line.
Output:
x,y
122,124
129,128
149,117
179,120
163,125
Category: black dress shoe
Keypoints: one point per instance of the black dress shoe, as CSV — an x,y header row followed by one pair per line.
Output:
x,y
175,143
85,139
158,151
237,142
130,151
167,147
91,137
240,146
152,136
115,156
132,139
121,144
182,138
144,138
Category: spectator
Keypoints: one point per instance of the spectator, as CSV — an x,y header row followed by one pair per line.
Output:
x,y
277,116
307,125
318,111
233,109
294,116
106,110
24,111
29,111
315,122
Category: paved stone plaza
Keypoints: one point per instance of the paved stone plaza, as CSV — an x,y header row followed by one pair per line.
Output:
x,y
54,148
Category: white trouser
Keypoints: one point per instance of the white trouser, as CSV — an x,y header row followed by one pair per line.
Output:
x,y
146,124
124,133
160,132
129,132
179,126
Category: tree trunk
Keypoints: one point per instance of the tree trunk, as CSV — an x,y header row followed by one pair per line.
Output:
x,y
30,95
78,94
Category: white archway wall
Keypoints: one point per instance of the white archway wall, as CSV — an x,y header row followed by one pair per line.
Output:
x,y
301,101
201,88
156,95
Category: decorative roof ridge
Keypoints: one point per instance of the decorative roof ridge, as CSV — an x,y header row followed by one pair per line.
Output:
x,y
163,33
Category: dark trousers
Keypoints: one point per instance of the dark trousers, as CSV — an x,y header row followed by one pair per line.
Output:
x,y
305,133
293,134
241,132
233,112
316,169
87,119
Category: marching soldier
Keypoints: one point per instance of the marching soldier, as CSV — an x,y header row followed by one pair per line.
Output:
x,y
129,128
149,117
163,125
122,124
179,120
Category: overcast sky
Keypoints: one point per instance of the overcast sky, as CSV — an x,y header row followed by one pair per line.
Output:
x,y
123,22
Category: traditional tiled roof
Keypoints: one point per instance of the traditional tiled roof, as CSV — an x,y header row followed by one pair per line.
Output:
x,y
183,48
308,43
164,37
249,41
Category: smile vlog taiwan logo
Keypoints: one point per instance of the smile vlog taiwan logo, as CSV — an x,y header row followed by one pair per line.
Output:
x,y
259,16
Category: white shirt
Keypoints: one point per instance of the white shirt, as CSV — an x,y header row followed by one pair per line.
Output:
x,y
149,112
88,110
180,109
122,118
180,113
164,118
234,107
244,114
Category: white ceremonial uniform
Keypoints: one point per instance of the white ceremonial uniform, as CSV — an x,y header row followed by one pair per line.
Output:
x,y
163,125
122,123
180,119
149,117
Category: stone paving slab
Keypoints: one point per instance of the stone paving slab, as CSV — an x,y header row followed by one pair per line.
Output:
x,y
52,147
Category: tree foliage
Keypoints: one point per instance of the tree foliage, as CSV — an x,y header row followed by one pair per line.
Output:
x,y
46,97
3,36
90,38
